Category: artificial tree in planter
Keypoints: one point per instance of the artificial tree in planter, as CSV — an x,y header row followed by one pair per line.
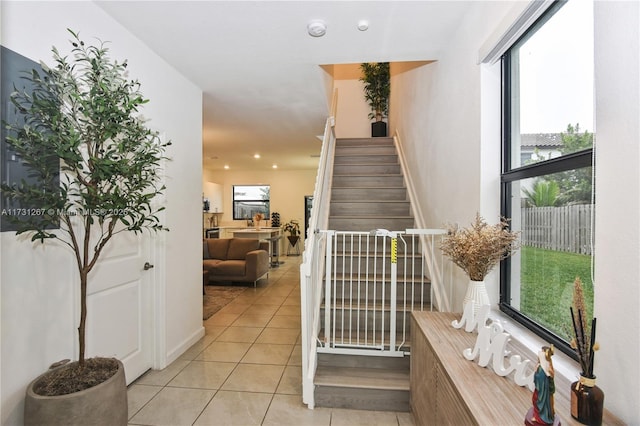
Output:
x,y
377,87
82,115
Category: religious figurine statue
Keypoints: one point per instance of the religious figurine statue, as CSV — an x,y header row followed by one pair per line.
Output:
x,y
542,412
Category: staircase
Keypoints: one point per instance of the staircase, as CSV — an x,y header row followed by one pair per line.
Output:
x,y
368,192
368,189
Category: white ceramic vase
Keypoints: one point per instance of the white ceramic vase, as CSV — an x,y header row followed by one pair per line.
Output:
x,y
476,295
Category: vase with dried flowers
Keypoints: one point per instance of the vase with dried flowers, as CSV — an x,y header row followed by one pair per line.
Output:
x,y
587,399
477,250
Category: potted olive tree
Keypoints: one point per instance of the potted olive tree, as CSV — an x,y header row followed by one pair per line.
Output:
x,y
82,115
377,87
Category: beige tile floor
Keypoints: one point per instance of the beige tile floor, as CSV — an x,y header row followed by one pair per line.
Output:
x,y
246,370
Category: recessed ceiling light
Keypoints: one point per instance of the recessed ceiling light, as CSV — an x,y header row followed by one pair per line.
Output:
x,y
317,28
275,166
226,167
256,155
363,25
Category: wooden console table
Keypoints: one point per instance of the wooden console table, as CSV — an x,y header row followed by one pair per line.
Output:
x,y
447,389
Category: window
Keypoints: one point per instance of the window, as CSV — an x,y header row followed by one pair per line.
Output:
x,y
249,200
547,181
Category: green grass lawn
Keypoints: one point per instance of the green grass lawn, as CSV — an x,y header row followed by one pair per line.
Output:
x,y
547,287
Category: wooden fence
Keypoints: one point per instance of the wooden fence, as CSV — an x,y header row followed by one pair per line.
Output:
x,y
565,228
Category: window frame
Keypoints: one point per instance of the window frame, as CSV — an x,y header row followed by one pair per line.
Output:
x,y
571,161
267,202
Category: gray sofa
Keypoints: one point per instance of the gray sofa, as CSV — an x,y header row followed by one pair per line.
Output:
x,y
235,259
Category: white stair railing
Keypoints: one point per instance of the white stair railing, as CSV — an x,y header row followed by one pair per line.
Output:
x,y
312,266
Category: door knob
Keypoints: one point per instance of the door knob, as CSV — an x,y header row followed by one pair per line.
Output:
x,y
147,266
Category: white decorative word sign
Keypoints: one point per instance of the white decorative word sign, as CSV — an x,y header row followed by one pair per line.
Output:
x,y
491,344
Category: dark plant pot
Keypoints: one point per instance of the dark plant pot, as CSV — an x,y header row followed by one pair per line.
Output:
x,y
379,129
293,240
104,404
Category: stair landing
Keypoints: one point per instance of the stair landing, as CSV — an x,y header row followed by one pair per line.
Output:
x,y
362,382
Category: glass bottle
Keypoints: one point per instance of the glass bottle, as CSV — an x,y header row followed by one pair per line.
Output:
x,y
587,401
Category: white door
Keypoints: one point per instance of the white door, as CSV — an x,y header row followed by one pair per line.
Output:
x,y
119,304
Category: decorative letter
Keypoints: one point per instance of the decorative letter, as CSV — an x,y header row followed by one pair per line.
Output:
x,y
519,377
483,342
470,319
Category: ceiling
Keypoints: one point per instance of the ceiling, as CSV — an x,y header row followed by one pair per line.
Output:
x,y
264,91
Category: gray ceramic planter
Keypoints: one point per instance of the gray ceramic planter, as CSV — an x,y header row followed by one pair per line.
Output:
x,y
104,404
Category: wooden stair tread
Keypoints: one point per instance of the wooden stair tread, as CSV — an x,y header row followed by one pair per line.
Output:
x,y
377,157
370,201
365,151
406,342
366,140
362,378
367,217
381,188
367,175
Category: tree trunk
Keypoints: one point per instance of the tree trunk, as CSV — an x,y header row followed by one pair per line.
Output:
x,y
83,316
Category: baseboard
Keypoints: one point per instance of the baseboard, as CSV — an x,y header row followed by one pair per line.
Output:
x,y
184,345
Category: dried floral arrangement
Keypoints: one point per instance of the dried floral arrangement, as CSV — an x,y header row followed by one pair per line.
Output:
x,y
584,341
480,247
258,217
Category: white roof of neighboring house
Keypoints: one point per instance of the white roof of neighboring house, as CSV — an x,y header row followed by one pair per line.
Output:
x,y
541,140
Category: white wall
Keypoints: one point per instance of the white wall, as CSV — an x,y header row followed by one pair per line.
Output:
x,y
36,287
436,110
352,118
213,192
617,242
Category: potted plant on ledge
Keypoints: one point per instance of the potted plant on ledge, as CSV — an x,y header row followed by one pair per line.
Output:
x,y
377,87
81,121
